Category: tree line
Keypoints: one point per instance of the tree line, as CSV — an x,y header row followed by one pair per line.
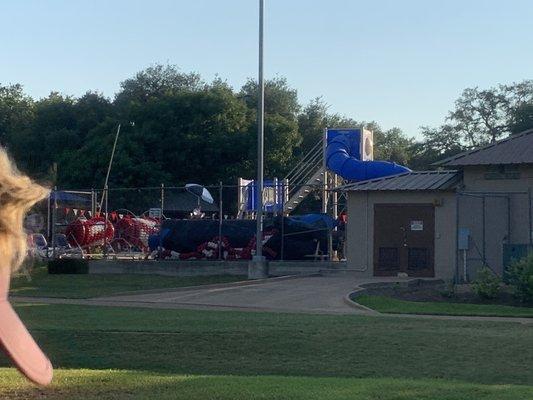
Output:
x,y
178,128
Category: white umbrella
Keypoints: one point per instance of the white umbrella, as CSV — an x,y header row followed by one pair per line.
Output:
x,y
200,192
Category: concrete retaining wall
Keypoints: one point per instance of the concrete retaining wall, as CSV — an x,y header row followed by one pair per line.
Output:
x,y
281,268
203,268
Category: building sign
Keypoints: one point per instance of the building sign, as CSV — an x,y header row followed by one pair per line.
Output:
x,y
417,225
155,213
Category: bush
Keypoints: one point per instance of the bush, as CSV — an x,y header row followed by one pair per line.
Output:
x,y
486,285
68,266
520,276
449,290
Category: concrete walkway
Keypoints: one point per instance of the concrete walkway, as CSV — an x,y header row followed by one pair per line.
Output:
x,y
311,294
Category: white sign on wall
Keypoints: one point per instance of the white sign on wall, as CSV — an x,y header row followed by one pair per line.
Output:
x,y
155,213
417,225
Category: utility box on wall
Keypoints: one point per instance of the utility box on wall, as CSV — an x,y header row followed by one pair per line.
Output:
x,y
463,237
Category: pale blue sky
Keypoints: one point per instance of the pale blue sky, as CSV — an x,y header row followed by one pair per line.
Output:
x,y
401,63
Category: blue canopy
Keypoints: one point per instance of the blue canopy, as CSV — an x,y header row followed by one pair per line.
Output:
x,y
70,198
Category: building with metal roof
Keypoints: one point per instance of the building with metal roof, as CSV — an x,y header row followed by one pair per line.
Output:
x,y
515,149
446,223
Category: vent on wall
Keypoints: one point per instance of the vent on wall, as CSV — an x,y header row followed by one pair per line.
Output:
x,y
367,145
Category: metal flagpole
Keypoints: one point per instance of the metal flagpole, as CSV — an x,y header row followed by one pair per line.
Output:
x,y
258,267
260,139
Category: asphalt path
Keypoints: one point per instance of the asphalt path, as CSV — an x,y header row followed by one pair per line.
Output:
x,y
309,294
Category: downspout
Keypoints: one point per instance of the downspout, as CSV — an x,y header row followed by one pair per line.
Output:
x,y
530,218
457,238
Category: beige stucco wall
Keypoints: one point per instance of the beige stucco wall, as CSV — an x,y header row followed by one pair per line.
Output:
x,y
507,214
360,227
474,179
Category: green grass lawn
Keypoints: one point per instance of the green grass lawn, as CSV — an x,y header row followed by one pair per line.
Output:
x,y
120,384
84,286
128,353
395,306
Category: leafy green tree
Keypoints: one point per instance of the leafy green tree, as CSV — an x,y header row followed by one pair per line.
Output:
x,y
393,145
178,137
53,131
156,81
438,143
482,116
185,130
90,110
16,113
522,118
282,136
280,98
311,123
314,118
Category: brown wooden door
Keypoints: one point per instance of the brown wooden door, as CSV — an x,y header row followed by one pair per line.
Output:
x,y
404,239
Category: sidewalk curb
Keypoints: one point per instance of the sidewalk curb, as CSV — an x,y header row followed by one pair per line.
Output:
x,y
348,301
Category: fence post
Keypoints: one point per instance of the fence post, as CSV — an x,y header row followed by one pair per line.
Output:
x,y
48,222
54,216
530,217
93,203
106,194
335,201
220,205
282,219
484,233
457,276
325,202
162,202
162,205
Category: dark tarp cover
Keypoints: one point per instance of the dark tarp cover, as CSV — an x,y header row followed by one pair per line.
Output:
x,y
301,234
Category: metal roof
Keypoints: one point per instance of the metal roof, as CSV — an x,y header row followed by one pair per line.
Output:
x,y
515,149
415,180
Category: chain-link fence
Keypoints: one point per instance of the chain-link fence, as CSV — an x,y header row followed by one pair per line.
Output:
x,y
182,222
492,230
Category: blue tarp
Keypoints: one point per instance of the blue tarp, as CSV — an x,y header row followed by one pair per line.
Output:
x,y
301,234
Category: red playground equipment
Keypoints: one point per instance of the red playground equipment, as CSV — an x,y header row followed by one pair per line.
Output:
x,y
129,231
90,232
136,231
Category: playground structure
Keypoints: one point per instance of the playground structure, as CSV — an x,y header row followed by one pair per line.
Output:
x,y
341,156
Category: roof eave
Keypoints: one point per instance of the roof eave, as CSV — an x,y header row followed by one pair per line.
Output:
x,y
448,160
449,182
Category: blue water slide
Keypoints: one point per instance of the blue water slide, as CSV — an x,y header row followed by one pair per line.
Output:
x,y
343,158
